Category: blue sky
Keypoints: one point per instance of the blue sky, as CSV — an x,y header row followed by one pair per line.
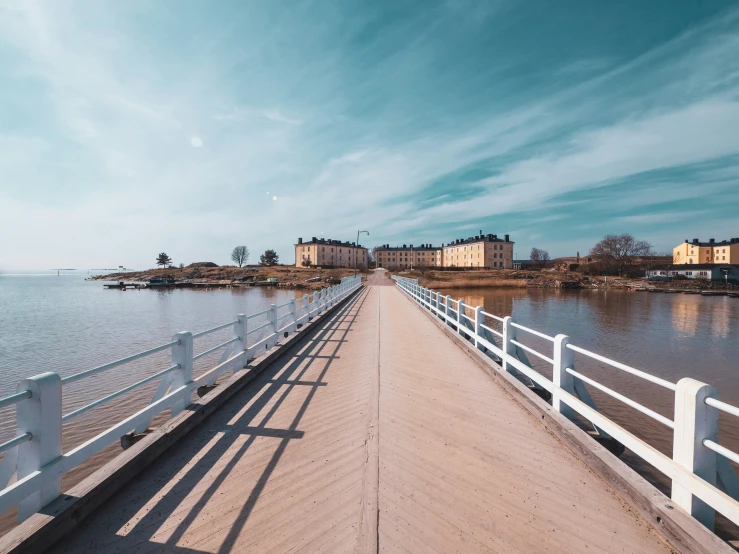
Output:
x,y
131,128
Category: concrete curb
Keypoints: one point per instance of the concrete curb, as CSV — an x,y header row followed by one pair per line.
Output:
x,y
672,524
64,514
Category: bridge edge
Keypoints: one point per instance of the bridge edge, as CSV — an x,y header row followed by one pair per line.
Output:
x,y
674,526
45,528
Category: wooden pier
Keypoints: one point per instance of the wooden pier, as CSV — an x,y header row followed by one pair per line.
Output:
x,y
372,432
369,438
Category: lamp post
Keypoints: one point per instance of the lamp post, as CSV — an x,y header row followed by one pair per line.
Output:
x,y
356,252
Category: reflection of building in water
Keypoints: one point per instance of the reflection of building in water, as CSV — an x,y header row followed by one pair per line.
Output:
x,y
498,302
720,319
685,316
474,300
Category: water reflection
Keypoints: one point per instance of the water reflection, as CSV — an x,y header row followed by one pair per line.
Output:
x,y
685,316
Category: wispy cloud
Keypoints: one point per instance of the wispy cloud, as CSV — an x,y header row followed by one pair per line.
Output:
x,y
413,123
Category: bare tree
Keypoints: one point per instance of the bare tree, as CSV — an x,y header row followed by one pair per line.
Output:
x,y
240,255
534,256
618,253
544,257
539,257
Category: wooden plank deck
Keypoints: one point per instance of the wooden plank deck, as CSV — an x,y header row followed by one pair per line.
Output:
x,y
379,435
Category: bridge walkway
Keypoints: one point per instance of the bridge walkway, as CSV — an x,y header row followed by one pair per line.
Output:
x,y
378,435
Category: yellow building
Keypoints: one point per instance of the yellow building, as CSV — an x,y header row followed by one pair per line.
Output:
x,y
408,256
480,251
711,252
483,251
330,253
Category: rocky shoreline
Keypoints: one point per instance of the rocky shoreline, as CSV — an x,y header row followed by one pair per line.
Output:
x,y
207,273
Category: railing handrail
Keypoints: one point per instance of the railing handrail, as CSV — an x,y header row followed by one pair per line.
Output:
x,y
175,389
214,329
15,398
723,406
692,400
533,332
623,367
121,361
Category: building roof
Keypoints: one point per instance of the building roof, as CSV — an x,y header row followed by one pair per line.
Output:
x,y
477,238
712,242
330,242
417,247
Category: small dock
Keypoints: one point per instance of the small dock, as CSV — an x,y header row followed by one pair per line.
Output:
x,y
123,286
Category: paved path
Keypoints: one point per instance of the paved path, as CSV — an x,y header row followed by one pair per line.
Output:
x,y
380,435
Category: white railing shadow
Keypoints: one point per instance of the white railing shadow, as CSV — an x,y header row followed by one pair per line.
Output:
x,y
698,462
35,455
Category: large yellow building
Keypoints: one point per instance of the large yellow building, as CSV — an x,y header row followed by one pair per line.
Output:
x,y
408,256
480,251
711,252
329,253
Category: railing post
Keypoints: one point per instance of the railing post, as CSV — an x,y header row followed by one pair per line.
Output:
x,y
182,356
695,421
273,321
563,358
509,349
240,331
479,318
460,317
448,307
294,314
306,306
40,415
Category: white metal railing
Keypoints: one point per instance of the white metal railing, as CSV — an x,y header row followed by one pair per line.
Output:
x,y
698,461
35,455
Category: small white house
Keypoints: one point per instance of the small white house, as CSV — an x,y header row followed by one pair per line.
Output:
x,y
707,272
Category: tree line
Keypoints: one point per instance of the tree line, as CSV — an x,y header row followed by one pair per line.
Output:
x,y
614,254
239,255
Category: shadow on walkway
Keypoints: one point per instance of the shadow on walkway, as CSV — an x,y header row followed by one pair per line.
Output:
x,y
271,388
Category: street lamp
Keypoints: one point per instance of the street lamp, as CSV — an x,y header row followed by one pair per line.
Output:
x,y
726,271
356,253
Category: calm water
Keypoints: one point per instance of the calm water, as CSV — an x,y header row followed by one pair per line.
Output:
x,y
66,324
668,335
